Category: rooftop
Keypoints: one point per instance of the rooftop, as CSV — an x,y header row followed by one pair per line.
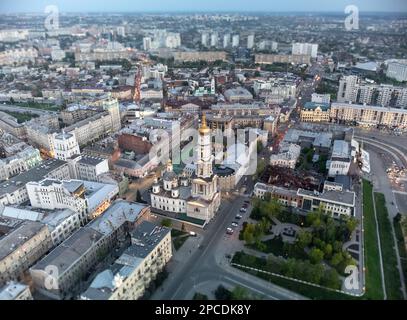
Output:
x,y
17,237
35,174
12,290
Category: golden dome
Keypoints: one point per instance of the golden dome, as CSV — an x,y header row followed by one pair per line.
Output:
x,y
204,128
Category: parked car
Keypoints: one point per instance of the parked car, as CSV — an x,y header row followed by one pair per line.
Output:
x,y
234,224
238,216
229,231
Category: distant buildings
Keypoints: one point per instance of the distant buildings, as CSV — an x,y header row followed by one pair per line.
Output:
x,y
321,98
250,41
209,56
17,56
366,115
397,70
239,94
281,58
352,89
310,49
235,41
363,115
315,112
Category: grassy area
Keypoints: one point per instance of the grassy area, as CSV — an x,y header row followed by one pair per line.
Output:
x,y
277,247
308,291
391,272
178,238
21,117
36,105
374,289
401,243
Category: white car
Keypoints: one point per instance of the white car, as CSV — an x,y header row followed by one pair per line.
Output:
x,y
229,231
234,224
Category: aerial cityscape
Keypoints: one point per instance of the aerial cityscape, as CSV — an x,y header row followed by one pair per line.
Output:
x,y
203,152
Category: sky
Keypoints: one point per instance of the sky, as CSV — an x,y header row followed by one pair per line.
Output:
x,y
10,6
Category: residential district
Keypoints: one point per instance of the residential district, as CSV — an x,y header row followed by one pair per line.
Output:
x,y
203,156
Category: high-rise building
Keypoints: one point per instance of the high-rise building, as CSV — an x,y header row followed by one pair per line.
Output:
x,y
205,39
235,41
147,43
348,89
352,89
250,41
214,39
226,40
305,48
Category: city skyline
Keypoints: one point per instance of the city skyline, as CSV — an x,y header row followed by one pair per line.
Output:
x,y
20,6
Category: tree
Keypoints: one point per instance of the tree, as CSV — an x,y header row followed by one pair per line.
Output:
x,y
328,251
351,224
240,293
221,293
337,258
273,208
166,223
331,279
138,196
248,233
316,255
304,239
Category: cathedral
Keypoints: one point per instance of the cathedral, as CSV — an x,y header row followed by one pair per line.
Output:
x,y
197,197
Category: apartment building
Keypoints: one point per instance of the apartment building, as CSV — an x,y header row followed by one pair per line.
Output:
x,y
85,248
133,271
14,191
21,247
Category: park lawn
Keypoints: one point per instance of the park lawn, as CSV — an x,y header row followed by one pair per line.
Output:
x,y
391,272
178,238
374,289
21,117
401,245
37,105
306,290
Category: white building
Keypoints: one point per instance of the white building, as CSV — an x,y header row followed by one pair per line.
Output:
x,y
287,157
89,168
397,70
13,191
340,159
299,48
226,40
65,146
147,43
214,40
321,98
205,39
235,41
55,194
250,41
